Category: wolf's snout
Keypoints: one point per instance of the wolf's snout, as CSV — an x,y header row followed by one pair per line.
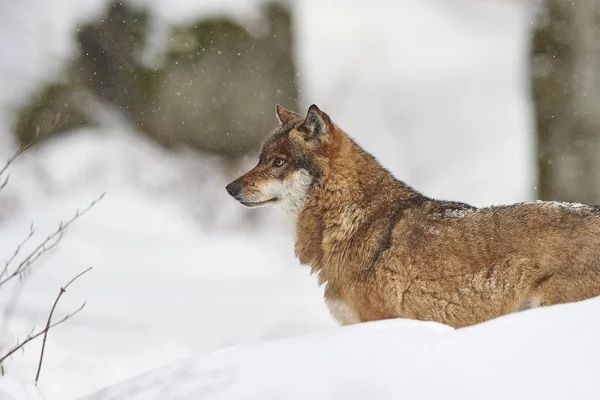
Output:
x,y
234,188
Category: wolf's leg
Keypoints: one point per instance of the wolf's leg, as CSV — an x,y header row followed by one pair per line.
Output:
x,y
342,312
529,303
569,285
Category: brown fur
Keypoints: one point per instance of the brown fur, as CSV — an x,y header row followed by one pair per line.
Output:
x,y
383,250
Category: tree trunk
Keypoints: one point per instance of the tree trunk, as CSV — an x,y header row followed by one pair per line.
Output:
x,y
566,91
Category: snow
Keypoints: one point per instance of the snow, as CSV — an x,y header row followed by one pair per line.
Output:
x,y
563,204
11,389
575,207
180,269
459,213
546,353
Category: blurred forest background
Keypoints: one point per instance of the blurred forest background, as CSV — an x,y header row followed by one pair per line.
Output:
x,y
164,102
211,83
205,82
565,70
211,86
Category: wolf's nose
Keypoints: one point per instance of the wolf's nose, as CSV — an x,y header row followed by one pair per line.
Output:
x,y
234,188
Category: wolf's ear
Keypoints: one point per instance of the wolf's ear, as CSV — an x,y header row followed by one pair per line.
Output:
x,y
284,115
317,123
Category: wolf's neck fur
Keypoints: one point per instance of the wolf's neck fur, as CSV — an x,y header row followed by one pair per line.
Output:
x,y
354,192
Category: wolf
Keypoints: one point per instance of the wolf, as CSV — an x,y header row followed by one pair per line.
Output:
x,y
384,250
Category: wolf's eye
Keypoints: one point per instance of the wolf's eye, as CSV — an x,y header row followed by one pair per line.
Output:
x,y
278,162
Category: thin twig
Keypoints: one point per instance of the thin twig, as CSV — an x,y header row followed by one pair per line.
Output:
x,y
3,184
26,146
12,159
39,333
50,242
64,289
18,249
11,304
60,293
8,312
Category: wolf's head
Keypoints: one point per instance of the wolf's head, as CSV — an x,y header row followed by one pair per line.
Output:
x,y
291,162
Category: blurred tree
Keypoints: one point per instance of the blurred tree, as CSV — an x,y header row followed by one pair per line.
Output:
x,y
566,92
215,88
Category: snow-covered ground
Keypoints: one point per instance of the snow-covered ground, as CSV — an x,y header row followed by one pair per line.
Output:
x,y
436,91
11,389
545,354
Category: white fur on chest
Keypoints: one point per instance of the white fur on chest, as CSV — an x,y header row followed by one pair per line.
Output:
x,y
342,312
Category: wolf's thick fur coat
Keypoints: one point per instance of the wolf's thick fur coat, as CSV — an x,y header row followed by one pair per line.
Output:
x,y
384,250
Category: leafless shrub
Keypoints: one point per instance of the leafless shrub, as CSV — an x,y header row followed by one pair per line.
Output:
x,y
15,270
33,334
20,270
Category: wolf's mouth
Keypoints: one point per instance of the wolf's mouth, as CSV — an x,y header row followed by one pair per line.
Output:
x,y
251,204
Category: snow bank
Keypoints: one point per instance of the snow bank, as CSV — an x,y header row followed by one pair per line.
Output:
x,y
549,353
11,389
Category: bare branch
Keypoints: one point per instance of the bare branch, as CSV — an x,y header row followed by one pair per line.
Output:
x,y
24,148
60,293
50,242
30,337
18,249
3,184
75,278
9,311
12,159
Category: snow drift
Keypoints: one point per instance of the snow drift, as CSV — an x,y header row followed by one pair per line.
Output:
x,y
547,353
